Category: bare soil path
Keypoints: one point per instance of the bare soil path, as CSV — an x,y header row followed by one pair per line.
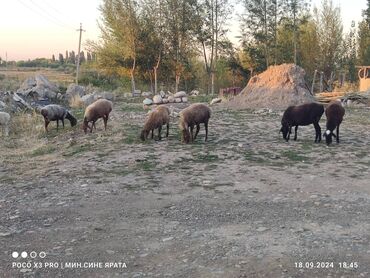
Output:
x,y
244,204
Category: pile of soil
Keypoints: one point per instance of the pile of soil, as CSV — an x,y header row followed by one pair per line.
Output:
x,y
278,87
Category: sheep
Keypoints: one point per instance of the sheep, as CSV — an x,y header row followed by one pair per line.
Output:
x,y
193,115
98,109
305,114
54,112
157,118
334,116
4,122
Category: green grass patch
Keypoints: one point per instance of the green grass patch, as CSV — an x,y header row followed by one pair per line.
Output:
x,y
43,150
132,107
294,156
77,149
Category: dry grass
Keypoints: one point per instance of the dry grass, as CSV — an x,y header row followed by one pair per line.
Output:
x,y
76,102
22,74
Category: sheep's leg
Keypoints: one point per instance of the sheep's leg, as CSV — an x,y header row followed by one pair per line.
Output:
x,y
6,130
191,133
318,132
197,131
206,127
295,133
168,129
63,122
152,133
338,134
46,124
159,132
57,124
92,125
105,119
289,132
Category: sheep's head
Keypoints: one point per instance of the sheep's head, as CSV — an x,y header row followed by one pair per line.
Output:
x,y
185,136
285,130
71,119
85,125
144,134
329,136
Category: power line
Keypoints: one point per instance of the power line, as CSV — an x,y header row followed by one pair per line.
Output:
x,y
50,15
42,15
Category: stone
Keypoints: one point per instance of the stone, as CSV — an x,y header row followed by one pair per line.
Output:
x,y
165,100
180,94
162,94
215,100
157,99
88,99
178,100
194,93
147,101
171,99
146,94
73,90
184,99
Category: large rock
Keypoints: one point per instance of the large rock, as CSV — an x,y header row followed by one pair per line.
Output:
x,y
157,99
171,99
38,87
88,99
278,87
147,101
105,95
180,94
74,90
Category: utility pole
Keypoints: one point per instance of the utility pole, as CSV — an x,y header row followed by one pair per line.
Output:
x,y
78,54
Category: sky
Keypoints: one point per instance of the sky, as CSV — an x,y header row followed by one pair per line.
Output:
x,y
40,28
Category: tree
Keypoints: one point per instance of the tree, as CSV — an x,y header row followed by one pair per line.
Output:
x,y
294,12
61,59
72,57
363,38
153,29
178,26
67,56
52,58
210,31
308,45
120,27
329,32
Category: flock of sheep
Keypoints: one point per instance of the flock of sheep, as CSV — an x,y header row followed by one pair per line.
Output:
x,y
193,116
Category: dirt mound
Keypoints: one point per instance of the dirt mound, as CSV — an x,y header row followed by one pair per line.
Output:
x,y
277,87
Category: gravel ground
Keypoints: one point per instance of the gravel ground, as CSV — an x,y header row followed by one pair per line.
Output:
x,y
243,204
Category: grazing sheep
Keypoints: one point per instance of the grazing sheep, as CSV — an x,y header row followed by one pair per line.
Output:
x,y
192,116
334,116
305,114
157,118
4,122
54,112
98,109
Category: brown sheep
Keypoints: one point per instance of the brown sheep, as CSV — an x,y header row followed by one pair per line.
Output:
x,y
334,117
98,109
157,118
192,116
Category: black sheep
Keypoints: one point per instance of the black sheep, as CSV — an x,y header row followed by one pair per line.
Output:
x,y
305,114
334,116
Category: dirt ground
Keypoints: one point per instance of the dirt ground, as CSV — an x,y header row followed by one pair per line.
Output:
x,y
243,204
